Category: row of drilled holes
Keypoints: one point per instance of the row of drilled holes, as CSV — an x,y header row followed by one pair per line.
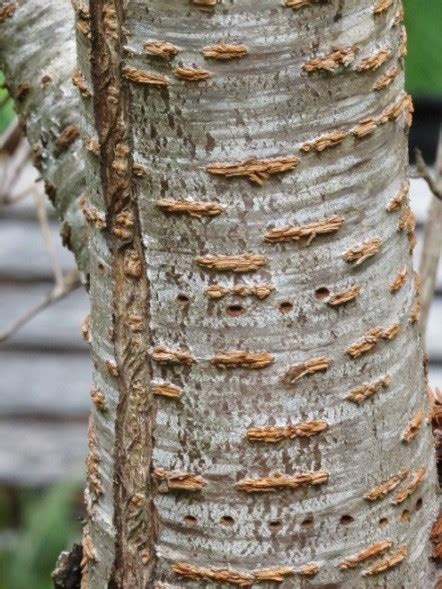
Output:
x,y
275,525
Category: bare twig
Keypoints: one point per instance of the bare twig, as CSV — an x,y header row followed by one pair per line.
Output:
x,y
71,281
432,235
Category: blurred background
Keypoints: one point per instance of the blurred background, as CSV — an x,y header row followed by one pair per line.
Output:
x,y
45,366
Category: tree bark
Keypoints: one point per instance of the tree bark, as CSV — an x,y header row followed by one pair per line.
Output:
x,y
260,399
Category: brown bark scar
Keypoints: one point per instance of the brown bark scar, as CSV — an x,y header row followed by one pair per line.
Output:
x,y
178,481
415,313
67,137
165,355
278,481
241,359
89,554
396,201
399,16
363,392
21,91
224,51
325,141
387,563
204,3
382,6
413,426
86,329
191,74
364,128
144,77
407,223
167,390
92,145
344,296
132,263
274,434
112,368
160,48
359,253
436,539
123,224
215,575
98,399
296,4
275,575
398,281
256,170
240,263
386,79
306,368
93,476
409,489
92,214
7,10
260,291
403,42
330,63
308,570
386,487
138,170
79,82
371,339
373,550
375,60
308,231
192,208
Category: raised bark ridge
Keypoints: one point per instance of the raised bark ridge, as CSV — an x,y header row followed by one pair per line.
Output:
x,y
325,379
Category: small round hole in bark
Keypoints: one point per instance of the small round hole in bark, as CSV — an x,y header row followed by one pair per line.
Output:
x,y
235,310
190,521
307,522
100,267
419,503
227,521
182,299
275,525
346,519
322,293
383,522
285,307
405,516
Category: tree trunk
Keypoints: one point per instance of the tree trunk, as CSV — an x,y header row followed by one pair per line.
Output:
x,y
260,398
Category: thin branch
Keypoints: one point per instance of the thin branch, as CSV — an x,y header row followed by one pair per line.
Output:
x,y
71,281
432,236
423,172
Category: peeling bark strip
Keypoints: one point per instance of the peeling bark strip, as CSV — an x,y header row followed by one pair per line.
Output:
x,y
306,368
192,208
241,263
413,427
192,74
373,550
280,481
371,339
7,11
387,486
296,4
160,48
274,434
387,563
231,576
165,355
386,79
167,390
324,141
407,223
374,61
365,391
224,51
255,170
240,359
344,296
308,570
409,489
364,128
79,82
382,6
399,280
178,481
359,253
309,231
144,77
331,62
260,291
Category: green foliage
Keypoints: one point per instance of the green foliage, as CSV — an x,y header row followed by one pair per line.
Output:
x,y
424,61
49,527
6,106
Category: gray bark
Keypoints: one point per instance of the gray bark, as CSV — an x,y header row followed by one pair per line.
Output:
x,y
254,310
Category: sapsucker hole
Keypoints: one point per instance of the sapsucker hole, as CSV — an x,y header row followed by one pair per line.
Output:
x,y
405,516
346,519
275,525
100,267
235,310
285,307
190,520
307,522
419,503
227,521
383,522
182,299
322,293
